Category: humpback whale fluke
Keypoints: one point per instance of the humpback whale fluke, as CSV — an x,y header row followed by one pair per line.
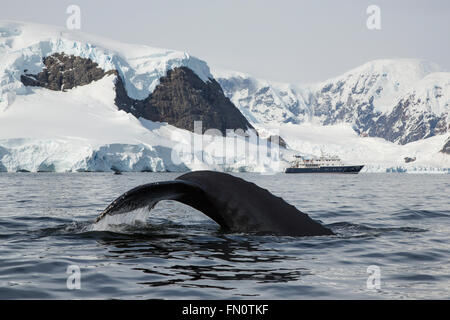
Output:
x,y
235,204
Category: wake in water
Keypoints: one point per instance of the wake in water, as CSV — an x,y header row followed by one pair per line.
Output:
x,y
139,222
175,251
116,223
351,230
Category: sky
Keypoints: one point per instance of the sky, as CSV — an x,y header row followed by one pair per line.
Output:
x,y
278,40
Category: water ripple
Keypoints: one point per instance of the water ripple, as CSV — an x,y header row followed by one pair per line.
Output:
x,y
177,252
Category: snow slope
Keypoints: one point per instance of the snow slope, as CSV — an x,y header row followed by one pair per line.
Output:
x,y
387,80
358,97
261,101
63,131
377,154
412,94
81,129
23,45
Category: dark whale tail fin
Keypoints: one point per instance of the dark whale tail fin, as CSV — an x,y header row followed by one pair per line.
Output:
x,y
148,195
235,204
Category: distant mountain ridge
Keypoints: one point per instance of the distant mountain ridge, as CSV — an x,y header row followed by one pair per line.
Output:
x,y
400,100
70,101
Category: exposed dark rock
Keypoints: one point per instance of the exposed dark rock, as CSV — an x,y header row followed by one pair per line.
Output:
x,y
64,72
409,159
446,147
180,99
278,140
350,109
350,100
403,125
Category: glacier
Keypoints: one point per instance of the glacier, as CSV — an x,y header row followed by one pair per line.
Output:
x,y
81,129
397,106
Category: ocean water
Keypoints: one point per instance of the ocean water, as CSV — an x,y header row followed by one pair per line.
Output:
x,y
395,224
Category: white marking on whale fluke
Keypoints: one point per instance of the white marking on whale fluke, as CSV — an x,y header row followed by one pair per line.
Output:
x,y
115,223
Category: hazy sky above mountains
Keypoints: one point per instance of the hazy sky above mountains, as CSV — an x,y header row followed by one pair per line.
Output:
x,y
286,41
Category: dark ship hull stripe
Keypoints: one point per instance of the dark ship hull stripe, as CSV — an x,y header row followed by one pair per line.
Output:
x,y
330,169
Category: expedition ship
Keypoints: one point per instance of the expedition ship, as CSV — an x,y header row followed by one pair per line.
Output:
x,y
323,164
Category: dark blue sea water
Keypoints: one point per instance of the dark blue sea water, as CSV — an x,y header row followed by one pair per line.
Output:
x,y
399,223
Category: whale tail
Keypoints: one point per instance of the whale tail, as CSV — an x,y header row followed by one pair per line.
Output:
x,y
235,204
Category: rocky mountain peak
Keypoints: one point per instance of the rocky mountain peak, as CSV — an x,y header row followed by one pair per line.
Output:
x,y
64,72
180,98
400,100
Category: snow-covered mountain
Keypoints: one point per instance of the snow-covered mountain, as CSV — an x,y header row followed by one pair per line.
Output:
x,y
76,102
24,45
264,102
400,100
